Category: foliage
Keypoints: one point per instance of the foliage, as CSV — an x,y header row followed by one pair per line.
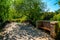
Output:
x,y
4,9
57,30
48,15
31,8
56,17
22,10
58,2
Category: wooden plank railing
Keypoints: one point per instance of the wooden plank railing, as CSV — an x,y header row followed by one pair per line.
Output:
x,y
48,25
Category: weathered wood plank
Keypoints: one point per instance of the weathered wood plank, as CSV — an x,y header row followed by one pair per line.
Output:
x,y
47,25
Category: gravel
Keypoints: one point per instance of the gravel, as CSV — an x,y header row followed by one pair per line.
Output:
x,y
23,31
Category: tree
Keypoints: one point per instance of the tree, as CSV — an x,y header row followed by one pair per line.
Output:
x,y
58,2
30,8
4,10
58,11
12,9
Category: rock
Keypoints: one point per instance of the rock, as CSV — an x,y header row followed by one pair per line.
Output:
x,y
19,31
41,38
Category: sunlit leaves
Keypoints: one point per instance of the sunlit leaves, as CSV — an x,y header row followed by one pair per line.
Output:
x,y
12,9
56,17
17,2
4,9
31,8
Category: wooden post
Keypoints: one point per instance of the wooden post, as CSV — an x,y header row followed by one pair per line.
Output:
x,y
53,27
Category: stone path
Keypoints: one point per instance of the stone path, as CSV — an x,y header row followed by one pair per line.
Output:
x,y
23,31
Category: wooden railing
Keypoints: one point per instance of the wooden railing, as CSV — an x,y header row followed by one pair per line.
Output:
x,y
48,25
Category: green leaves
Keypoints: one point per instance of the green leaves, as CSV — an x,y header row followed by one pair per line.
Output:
x,y
56,17
59,2
4,9
24,9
